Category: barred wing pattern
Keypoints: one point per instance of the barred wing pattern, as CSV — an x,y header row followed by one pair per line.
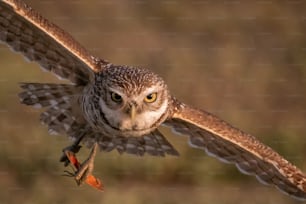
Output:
x,y
27,32
63,115
154,144
231,145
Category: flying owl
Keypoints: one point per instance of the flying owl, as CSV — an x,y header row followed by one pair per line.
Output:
x,y
109,106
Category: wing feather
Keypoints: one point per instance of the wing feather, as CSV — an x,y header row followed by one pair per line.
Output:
x,y
27,32
154,143
231,145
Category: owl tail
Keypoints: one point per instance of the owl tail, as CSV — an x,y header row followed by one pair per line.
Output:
x,y
60,99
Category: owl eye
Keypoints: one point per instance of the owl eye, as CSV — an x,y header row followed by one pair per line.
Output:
x,y
116,97
150,98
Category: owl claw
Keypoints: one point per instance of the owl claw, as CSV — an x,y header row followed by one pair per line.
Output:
x,y
74,148
87,166
83,171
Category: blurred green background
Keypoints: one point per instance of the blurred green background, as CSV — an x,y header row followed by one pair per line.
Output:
x,y
243,61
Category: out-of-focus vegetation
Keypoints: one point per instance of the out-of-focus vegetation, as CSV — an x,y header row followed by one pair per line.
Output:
x,y
245,62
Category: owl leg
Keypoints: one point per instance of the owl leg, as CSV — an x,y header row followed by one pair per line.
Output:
x,y
75,148
87,166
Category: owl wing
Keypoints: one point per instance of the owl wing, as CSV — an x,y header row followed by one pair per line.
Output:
x,y
154,144
27,32
231,145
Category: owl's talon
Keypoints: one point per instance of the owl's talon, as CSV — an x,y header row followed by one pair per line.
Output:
x,y
87,166
83,172
74,148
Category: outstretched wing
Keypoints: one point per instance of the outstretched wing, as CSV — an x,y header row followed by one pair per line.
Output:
x,y
231,145
27,32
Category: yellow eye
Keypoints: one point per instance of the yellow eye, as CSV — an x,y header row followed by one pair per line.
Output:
x,y
116,97
151,98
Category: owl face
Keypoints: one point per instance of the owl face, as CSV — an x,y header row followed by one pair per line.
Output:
x,y
135,102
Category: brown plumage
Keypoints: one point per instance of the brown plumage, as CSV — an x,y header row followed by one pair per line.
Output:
x,y
120,107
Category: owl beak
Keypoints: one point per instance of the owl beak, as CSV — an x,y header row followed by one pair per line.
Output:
x,y
133,112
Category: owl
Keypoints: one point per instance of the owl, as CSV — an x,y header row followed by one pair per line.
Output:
x,y
113,107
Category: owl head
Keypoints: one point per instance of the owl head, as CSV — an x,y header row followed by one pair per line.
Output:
x,y
133,100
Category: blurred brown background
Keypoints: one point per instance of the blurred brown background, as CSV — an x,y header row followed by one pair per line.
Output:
x,y
244,61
